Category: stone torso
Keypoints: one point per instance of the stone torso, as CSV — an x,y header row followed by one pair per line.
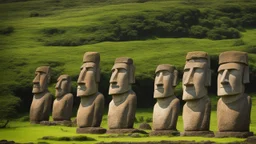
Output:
x,y
196,114
90,111
121,112
41,107
165,113
62,108
234,116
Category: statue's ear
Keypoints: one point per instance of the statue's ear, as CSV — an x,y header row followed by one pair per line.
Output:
x,y
208,77
131,74
246,78
69,84
98,75
49,76
175,78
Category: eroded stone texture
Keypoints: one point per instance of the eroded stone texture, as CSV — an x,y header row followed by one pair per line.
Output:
x,y
41,104
167,107
91,108
197,109
121,114
234,106
63,104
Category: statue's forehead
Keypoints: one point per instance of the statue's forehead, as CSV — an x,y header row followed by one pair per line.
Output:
x,y
42,69
63,77
165,67
225,66
120,65
195,65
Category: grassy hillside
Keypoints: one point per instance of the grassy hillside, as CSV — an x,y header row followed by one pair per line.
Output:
x,y
30,28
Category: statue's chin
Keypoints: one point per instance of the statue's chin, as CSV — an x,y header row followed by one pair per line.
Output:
x,y
36,90
85,93
115,91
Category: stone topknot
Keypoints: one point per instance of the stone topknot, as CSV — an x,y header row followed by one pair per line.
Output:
x,y
197,55
126,60
91,57
234,57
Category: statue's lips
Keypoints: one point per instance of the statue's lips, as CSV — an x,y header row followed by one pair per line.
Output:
x,y
36,86
190,89
114,86
81,87
159,89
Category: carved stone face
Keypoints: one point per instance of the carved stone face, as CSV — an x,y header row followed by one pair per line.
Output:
x,y
230,79
163,86
194,78
41,80
62,86
119,81
87,84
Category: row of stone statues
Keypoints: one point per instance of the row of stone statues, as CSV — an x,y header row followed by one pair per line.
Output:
x,y
233,108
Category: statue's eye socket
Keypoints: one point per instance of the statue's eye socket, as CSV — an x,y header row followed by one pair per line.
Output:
x,y
121,70
186,70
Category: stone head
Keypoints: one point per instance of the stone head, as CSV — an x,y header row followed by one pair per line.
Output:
x,y
89,76
122,76
233,73
165,81
63,85
196,76
41,80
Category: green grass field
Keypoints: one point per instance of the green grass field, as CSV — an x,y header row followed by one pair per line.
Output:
x,y
25,49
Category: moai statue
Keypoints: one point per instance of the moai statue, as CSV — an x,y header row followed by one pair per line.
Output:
x,y
121,114
40,108
63,104
234,106
197,109
91,109
167,107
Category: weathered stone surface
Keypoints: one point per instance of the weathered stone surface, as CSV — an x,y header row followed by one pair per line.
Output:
x,y
196,114
166,109
91,107
90,111
121,114
197,133
164,133
233,134
91,130
41,104
125,131
63,104
145,126
234,106
196,79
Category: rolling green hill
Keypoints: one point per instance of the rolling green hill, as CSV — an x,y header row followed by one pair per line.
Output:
x,y
152,32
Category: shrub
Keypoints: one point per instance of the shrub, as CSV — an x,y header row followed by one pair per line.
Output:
x,y
8,109
52,31
198,31
249,20
34,14
251,49
206,23
140,119
6,31
238,42
223,33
